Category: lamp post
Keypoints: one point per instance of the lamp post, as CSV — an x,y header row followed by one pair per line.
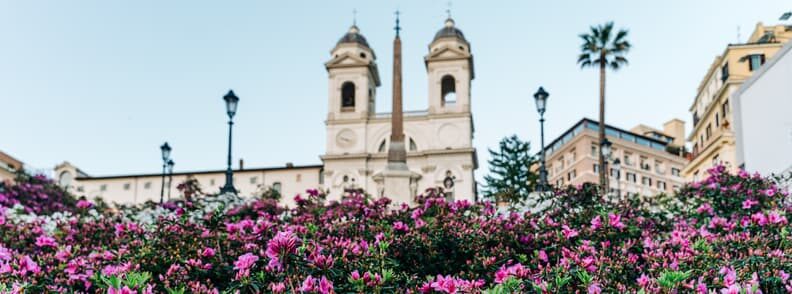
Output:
x,y
231,101
166,150
605,149
170,176
540,98
617,168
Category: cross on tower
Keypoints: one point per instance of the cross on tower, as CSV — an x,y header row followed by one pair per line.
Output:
x,y
397,28
354,17
448,10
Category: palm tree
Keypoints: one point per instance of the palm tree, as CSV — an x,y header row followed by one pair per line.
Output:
x,y
601,48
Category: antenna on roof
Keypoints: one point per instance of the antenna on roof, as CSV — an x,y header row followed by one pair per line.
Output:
x,y
738,34
354,17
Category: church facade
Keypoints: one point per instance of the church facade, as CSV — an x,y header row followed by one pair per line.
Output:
x,y
436,142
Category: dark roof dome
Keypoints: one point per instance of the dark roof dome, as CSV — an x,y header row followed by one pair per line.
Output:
x,y
449,31
353,36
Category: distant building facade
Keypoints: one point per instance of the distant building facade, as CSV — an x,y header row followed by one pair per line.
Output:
x,y
763,117
651,160
9,167
713,138
438,140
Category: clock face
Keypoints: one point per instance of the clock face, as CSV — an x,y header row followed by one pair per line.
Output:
x,y
346,138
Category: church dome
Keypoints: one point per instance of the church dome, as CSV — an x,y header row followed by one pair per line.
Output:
x,y
449,31
353,36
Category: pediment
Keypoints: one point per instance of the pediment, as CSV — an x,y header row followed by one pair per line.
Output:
x,y
346,59
448,53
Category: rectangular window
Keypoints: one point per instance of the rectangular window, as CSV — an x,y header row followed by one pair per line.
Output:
x,y
127,186
695,118
572,157
571,175
80,189
661,185
594,151
560,182
253,180
646,181
631,177
103,187
147,185
628,159
658,165
725,72
596,167
675,171
709,131
717,120
755,61
644,164
725,108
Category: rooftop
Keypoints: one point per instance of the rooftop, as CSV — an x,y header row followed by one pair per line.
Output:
x,y
610,132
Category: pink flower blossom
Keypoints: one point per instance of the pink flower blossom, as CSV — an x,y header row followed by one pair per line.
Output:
x,y
278,287
46,241
614,220
124,290
596,223
83,204
244,263
400,227
568,232
208,252
643,280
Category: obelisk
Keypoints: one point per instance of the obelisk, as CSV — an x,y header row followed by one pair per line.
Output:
x,y
396,175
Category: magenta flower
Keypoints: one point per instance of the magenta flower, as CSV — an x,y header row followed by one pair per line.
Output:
x,y
400,227
208,252
614,220
280,247
278,288
568,232
325,286
748,203
594,288
46,241
83,204
596,223
308,285
643,280
124,290
244,263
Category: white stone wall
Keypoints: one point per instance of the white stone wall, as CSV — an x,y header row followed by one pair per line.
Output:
x,y
763,114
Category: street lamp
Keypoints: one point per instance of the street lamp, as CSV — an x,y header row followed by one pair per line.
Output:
x,y
617,169
231,101
170,176
605,149
540,98
166,151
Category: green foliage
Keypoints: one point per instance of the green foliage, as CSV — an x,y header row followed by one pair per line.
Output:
x,y
511,178
671,279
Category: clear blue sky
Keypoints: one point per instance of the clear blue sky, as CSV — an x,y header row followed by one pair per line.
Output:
x,y
103,83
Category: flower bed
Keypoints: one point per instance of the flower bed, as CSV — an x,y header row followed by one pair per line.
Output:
x,y
728,233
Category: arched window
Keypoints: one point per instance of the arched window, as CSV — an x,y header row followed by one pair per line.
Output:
x,y
448,89
276,186
65,179
348,95
382,146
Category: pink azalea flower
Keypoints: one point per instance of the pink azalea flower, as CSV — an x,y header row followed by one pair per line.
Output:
x,y
594,288
124,290
568,232
244,263
732,289
400,227
325,286
83,204
46,241
596,223
614,220
308,285
208,252
278,287
748,203
643,280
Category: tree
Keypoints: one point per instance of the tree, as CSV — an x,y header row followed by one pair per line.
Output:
x,y
511,178
601,48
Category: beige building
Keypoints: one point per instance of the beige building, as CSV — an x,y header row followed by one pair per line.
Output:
x,y
8,167
438,140
650,159
713,137
289,180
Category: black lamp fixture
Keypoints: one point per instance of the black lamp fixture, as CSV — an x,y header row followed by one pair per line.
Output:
x,y
170,176
166,151
617,169
231,101
540,98
605,149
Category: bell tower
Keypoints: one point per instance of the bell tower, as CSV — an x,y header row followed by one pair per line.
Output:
x,y
449,66
353,78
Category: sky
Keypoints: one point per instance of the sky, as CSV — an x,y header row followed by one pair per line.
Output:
x,y
102,84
